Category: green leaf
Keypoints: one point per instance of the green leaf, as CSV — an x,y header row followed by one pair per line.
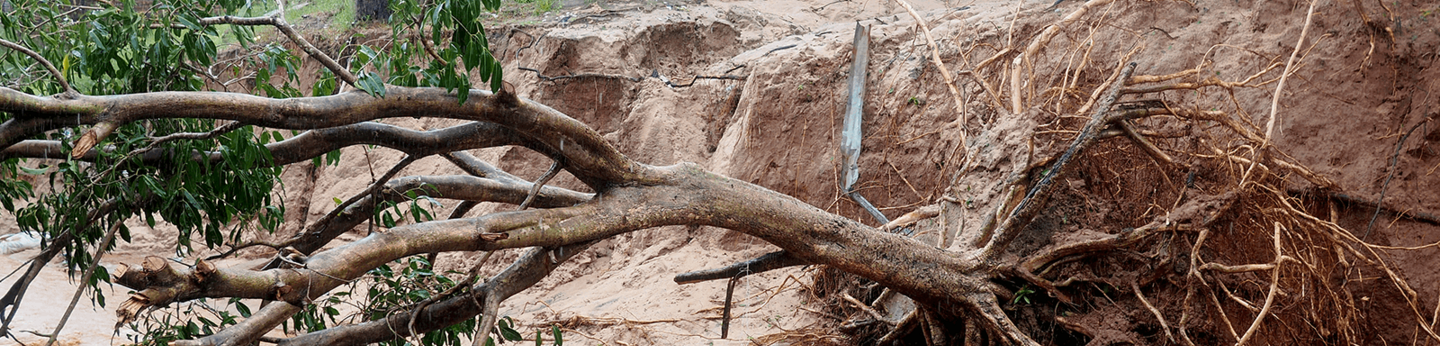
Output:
x,y
508,332
32,171
372,85
243,309
555,330
188,23
495,80
388,220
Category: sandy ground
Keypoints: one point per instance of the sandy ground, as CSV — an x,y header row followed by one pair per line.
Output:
x,y
777,128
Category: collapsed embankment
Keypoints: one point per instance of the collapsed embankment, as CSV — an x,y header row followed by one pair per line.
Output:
x,y
1357,110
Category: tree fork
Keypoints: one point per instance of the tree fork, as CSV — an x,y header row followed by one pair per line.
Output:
x,y
631,196
690,196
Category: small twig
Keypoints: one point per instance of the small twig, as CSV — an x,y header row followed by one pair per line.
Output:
x,y
780,48
993,58
816,9
1156,79
340,209
1185,313
1215,299
84,280
540,183
474,273
250,244
533,41
1167,33
1275,101
1237,268
1095,95
1417,216
377,184
223,129
156,141
1026,61
910,218
60,78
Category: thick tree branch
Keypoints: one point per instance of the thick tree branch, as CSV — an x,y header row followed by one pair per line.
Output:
x,y
632,196
480,168
588,156
16,130
689,196
468,188
314,143
457,187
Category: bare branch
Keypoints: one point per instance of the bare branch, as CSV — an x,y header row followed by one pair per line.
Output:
x,y
84,280
540,183
764,263
59,77
278,21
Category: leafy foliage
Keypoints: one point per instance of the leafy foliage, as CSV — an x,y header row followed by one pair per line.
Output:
x,y
124,46
125,49
187,321
391,291
455,20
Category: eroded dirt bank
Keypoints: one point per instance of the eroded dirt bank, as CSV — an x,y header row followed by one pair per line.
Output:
x,y
1358,110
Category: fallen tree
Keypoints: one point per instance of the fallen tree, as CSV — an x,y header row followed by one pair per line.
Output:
x,y
960,290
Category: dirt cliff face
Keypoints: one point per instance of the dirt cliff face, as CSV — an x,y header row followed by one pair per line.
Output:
x,y
1344,113
754,90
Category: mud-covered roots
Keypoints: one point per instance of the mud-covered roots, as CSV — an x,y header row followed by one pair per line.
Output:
x,y
1192,229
